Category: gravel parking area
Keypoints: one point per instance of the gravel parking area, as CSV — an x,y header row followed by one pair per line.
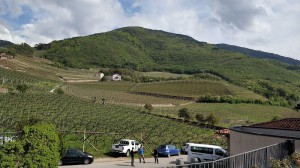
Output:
x,y
125,162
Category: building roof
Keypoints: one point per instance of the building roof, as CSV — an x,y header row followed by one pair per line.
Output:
x,y
287,124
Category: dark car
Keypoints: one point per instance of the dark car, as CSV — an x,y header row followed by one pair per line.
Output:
x,y
168,150
75,156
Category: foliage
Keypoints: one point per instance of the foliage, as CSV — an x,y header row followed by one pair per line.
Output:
x,y
11,154
22,87
212,119
23,49
37,146
200,118
148,107
41,144
285,163
184,113
295,156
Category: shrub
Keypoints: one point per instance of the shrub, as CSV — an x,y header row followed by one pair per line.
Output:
x,y
148,107
184,113
200,117
212,119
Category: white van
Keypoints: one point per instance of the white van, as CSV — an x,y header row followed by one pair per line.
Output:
x,y
204,153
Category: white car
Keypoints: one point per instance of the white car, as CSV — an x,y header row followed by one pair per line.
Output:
x,y
204,152
125,146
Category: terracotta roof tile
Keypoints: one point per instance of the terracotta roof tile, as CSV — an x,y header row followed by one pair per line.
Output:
x,y
287,123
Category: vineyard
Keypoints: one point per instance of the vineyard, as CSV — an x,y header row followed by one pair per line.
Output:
x,y
108,122
116,93
164,93
232,114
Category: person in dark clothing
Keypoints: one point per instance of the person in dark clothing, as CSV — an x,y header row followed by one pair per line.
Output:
x,y
132,157
155,154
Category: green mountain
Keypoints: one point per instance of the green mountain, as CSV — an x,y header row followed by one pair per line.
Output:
x,y
153,50
4,43
259,54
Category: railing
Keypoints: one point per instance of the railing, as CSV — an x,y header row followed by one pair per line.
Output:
x,y
256,158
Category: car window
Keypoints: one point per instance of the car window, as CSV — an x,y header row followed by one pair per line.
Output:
x,y
136,143
162,146
124,142
219,152
132,143
201,150
72,153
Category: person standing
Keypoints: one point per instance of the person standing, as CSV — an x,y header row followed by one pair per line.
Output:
x,y
155,154
141,152
132,157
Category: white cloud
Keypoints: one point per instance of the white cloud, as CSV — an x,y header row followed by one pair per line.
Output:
x,y
5,34
268,25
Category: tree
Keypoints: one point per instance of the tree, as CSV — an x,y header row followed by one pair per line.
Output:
x,y
37,146
200,117
184,113
148,107
212,119
22,88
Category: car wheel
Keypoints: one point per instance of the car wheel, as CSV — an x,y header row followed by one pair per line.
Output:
x,y
86,161
59,163
128,153
169,155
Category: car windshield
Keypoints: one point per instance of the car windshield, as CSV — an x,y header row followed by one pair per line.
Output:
x,y
162,146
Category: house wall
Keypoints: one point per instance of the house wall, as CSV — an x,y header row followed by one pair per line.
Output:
x,y
242,142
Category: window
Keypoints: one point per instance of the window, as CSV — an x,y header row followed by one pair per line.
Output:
x,y
219,152
201,150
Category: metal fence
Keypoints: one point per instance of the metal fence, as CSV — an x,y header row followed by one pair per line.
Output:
x,y
260,158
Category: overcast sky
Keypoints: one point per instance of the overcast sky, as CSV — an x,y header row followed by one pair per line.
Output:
x,y
267,25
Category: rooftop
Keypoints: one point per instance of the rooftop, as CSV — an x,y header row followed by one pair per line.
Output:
x,y
287,124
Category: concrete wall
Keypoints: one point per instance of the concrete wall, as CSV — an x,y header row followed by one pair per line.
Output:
x,y
242,142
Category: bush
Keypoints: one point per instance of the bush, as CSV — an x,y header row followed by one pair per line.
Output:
x,y
212,119
148,107
184,113
200,117
37,146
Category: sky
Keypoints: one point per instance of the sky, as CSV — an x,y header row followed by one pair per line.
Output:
x,y
266,25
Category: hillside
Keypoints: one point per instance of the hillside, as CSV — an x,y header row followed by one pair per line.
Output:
x,y
258,54
4,43
147,50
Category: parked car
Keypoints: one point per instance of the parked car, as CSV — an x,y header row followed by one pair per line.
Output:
x,y
75,156
204,152
125,146
185,147
168,150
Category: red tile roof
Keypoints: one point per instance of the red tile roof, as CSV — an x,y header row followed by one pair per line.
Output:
x,y
287,123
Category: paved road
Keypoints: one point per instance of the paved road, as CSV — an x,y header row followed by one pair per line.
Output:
x,y
125,162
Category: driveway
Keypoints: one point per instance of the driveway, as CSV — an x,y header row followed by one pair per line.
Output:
x,y
125,162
